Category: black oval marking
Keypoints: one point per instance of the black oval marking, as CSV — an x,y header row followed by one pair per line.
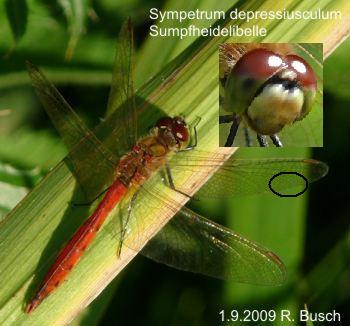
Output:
x,y
295,195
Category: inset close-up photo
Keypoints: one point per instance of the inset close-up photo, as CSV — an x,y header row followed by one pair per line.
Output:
x,y
270,95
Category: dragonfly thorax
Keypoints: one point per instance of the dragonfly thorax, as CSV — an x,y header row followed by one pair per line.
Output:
x,y
150,152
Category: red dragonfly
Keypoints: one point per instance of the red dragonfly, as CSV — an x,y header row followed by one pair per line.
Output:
x,y
132,168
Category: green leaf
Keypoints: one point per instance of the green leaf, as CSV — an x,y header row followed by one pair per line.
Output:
x,y
337,80
13,176
76,12
167,48
10,195
31,149
324,284
273,222
94,312
17,14
308,322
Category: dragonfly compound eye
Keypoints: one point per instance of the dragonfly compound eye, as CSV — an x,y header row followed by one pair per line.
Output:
x,y
180,130
165,123
305,74
270,90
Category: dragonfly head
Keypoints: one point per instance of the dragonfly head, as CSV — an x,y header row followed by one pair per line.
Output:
x,y
270,90
174,132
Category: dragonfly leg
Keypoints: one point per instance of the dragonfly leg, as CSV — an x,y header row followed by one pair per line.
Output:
x,y
262,140
248,140
276,140
171,182
122,235
93,200
233,131
226,118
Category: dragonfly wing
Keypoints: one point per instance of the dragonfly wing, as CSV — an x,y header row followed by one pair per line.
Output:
x,y
189,241
88,157
192,243
71,128
121,96
236,177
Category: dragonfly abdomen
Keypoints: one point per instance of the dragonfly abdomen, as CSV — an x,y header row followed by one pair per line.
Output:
x,y
73,251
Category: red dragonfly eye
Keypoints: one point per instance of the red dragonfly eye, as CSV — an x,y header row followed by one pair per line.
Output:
x,y
165,122
259,64
180,129
305,74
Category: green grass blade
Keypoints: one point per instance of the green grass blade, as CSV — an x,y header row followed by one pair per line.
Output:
x,y
76,12
17,14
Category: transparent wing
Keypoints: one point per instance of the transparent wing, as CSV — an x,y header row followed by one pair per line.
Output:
x,y
121,94
88,157
236,177
71,128
192,243
189,241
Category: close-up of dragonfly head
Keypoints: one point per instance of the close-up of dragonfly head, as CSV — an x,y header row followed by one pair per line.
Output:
x,y
266,87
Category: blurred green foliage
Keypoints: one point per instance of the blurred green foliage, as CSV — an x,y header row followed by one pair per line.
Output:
x,y
74,41
17,12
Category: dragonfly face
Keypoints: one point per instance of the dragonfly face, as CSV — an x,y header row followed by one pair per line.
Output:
x,y
270,90
174,132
